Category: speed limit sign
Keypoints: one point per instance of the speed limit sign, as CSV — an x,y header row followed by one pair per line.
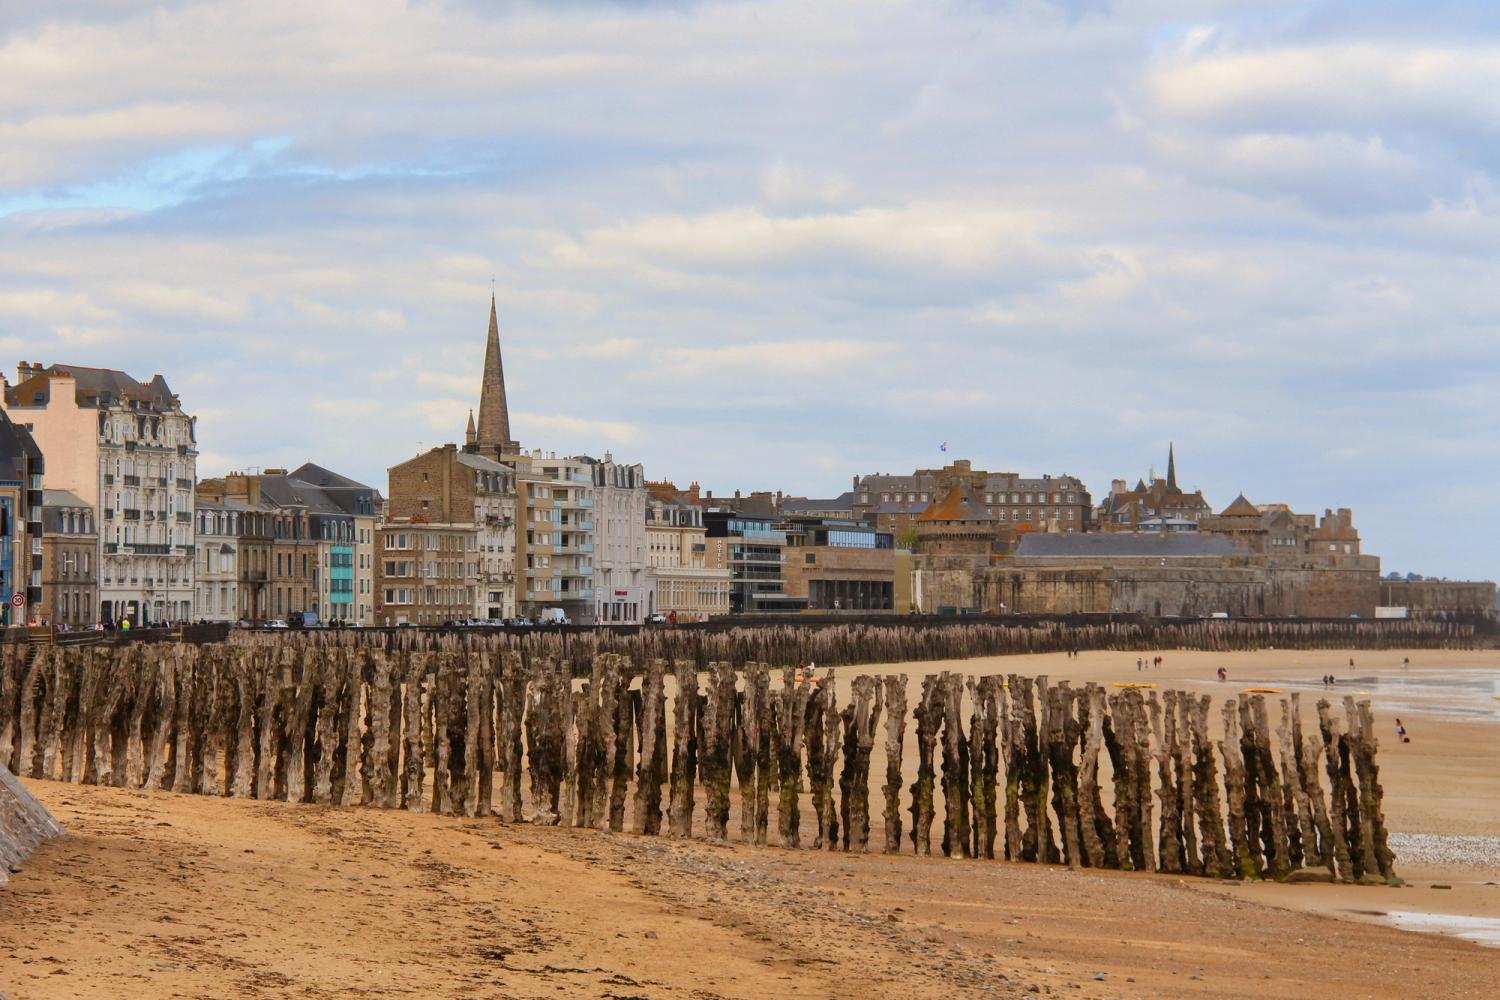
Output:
x,y
18,600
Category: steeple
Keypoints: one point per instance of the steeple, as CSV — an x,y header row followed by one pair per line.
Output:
x,y
494,415
1171,467
470,434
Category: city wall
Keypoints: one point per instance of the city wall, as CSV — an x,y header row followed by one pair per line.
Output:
x,y
1027,770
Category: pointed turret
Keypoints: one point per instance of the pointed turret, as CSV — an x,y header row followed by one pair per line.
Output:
x,y
493,431
470,435
1171,467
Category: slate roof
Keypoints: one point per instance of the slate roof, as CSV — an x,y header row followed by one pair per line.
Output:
x,y
804,505
957,504
62,498
1123,544
16,445
96,386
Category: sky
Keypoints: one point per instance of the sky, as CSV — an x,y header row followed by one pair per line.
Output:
x,y
773,245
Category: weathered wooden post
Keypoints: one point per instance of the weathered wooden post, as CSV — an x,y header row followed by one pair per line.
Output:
x,y
718,742
791,715
1379,861
652,764
928,715
1096,831
822,756
956,777
1061,735
895,739
1169,842
985,760
1242,848
514,702
861,719
684,749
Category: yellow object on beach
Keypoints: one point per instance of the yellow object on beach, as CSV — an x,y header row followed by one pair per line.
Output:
x,y
1261,691
1133,684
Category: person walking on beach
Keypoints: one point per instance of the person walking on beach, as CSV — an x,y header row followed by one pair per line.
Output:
x,y
1405,662
1351,663
1401,732
1223,675
1140,664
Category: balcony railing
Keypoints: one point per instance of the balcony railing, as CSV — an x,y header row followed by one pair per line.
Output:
x,y
131,514
132,480
184,484
111,546
183,517
149,548
109,479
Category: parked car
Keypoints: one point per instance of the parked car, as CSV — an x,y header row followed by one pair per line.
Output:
x,y
273,623
656,618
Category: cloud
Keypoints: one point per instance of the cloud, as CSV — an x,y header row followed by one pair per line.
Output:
x,y
773,244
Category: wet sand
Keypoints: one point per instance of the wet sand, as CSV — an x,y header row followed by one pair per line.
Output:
x,y
155,894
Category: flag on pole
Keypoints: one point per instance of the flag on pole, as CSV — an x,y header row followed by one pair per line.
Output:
x,y
943,446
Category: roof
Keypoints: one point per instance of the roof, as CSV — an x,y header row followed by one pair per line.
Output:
x,y
958,504
474,461
62,498
309,472
798,505
1123,544
1241,507
97,386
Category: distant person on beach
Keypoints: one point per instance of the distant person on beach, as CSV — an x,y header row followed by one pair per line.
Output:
x,y
1405,662
1223,674
1351,663
1401,732
1140,664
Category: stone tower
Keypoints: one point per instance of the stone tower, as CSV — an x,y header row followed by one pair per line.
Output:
x,y
493,432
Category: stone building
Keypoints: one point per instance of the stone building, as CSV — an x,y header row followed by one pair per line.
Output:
x,y
446,485
70,552
686,587
1427,598
21,503
623,588
1161,505
1016,504
424,572
129,451
834,564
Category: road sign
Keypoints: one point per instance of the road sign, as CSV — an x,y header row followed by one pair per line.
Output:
x,y
18,600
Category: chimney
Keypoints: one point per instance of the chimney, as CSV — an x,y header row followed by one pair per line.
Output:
x,y
23,371
856,483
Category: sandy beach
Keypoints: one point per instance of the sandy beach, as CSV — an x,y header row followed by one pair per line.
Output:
x,y
155,894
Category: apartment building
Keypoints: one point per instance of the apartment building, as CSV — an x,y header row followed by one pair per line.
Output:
x,y
623,590
366,506
424,572
685,587
129,451
70,552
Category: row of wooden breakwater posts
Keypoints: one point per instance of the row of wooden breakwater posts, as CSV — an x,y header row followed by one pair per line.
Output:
x,y
1027,770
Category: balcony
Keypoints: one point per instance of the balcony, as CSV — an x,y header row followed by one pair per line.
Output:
x,y
255,576
185,550
109,479
161,481
183,517
111,547
183,449
148,548
132,480
130,446
585,525
131,514
585,594
184,484
109,514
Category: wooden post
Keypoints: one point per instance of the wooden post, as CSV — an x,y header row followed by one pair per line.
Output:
x,y
929,715
1217,860
791,714
1096,832
822,757
718,742
414,762
1246,859
861,719
652,762
895,739
956,778
684,750
1062,735
985,761
514,702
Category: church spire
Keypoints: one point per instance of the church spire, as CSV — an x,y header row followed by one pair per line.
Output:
x,y
1171,467
470,435
493,431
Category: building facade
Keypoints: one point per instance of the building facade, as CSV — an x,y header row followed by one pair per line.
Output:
x,y
1017,504
623,586
1161,505
129,450
366,506
21,540
835,564
424,572
70,548
686,588
554,535
462,487
752,548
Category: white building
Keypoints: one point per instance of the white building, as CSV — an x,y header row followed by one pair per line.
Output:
x,y
129,451
554,537
622,574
